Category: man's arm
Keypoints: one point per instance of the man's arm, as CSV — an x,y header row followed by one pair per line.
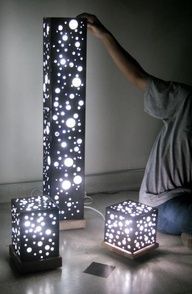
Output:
x,y
123,60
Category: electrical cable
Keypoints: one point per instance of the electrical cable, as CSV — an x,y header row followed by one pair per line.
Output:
x,y
88,200
94,209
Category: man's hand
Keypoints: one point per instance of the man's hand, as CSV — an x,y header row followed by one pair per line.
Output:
x,y
94,25
123,60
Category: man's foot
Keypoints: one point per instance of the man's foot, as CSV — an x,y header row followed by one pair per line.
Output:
x,y
187,240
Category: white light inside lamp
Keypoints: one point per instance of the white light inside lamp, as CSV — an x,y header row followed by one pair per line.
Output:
x,y
130,228
76,82
79,141
77,180
71,122
38,229
56,104
49,160
57,90
63,144
62,61
72,96
66,185
68,107
27,223
47,129
75,115
68,162
46,79
76,149
47,30
40,243
79,68
55,117
65,38
60,27
77,44
73,24
48,232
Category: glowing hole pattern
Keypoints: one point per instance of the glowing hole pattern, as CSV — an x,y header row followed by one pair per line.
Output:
x,y
130,226
35,228
64,80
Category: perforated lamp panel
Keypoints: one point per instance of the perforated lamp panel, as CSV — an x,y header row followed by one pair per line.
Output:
x,y
130,226
35,228
64,81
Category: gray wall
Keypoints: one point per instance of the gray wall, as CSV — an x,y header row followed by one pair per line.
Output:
x,y
119,134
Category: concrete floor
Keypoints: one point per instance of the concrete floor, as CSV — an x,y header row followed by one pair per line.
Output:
x,y
166,270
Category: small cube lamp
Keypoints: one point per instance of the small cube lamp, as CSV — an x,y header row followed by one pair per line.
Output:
x,y
35,234
64,85
130,228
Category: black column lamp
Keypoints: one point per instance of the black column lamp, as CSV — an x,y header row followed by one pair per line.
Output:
x,y
64,81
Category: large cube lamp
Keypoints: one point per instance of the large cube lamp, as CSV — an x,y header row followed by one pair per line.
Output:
x,y
130,228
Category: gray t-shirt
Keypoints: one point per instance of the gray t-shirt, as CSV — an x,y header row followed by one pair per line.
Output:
x,y
168,171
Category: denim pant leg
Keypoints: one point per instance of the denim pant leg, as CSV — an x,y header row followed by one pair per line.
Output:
x,y
175,215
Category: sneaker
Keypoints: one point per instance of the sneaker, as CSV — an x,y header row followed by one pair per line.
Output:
x,y
187,240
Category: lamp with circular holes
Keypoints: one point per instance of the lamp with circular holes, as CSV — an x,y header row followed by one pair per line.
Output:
x,y
64,80
35,234
130,228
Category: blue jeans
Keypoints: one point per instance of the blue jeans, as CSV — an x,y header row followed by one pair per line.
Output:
x,y
175,215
